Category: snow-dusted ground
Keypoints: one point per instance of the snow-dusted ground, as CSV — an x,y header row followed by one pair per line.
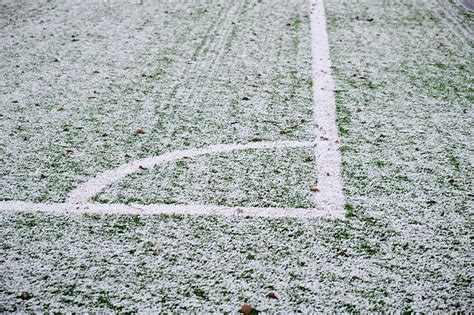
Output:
x,y
81,78
264,178
403,75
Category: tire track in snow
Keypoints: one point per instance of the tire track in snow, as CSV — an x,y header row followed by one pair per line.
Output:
x,y
218,59
459,31
185,87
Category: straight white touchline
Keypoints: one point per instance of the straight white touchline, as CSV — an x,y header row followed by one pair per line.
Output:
x,y
153,209
85,192
328,159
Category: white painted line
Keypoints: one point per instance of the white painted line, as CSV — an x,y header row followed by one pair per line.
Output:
x,y
329,200
328,159
153,209
85,192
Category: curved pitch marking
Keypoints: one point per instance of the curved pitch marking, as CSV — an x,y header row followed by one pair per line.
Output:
x,y
85,192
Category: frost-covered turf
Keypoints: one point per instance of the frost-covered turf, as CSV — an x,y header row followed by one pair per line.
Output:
x,y
231,179
404,74
80,78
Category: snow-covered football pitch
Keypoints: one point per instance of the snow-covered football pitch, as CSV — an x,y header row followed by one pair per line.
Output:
x,y
184,156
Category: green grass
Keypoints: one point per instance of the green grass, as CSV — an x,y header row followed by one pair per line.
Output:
x,y
405,245
259,178
72,108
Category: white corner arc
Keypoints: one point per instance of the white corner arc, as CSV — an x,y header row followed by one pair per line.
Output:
x,y
329,200
85,192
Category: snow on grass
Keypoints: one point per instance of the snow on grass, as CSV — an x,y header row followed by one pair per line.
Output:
x,y
86,192
81,79
404,93
163,262
264,178
403,85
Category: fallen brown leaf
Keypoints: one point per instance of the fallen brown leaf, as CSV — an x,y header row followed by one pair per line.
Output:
x,y
246,309
343,253
24,295
272,295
